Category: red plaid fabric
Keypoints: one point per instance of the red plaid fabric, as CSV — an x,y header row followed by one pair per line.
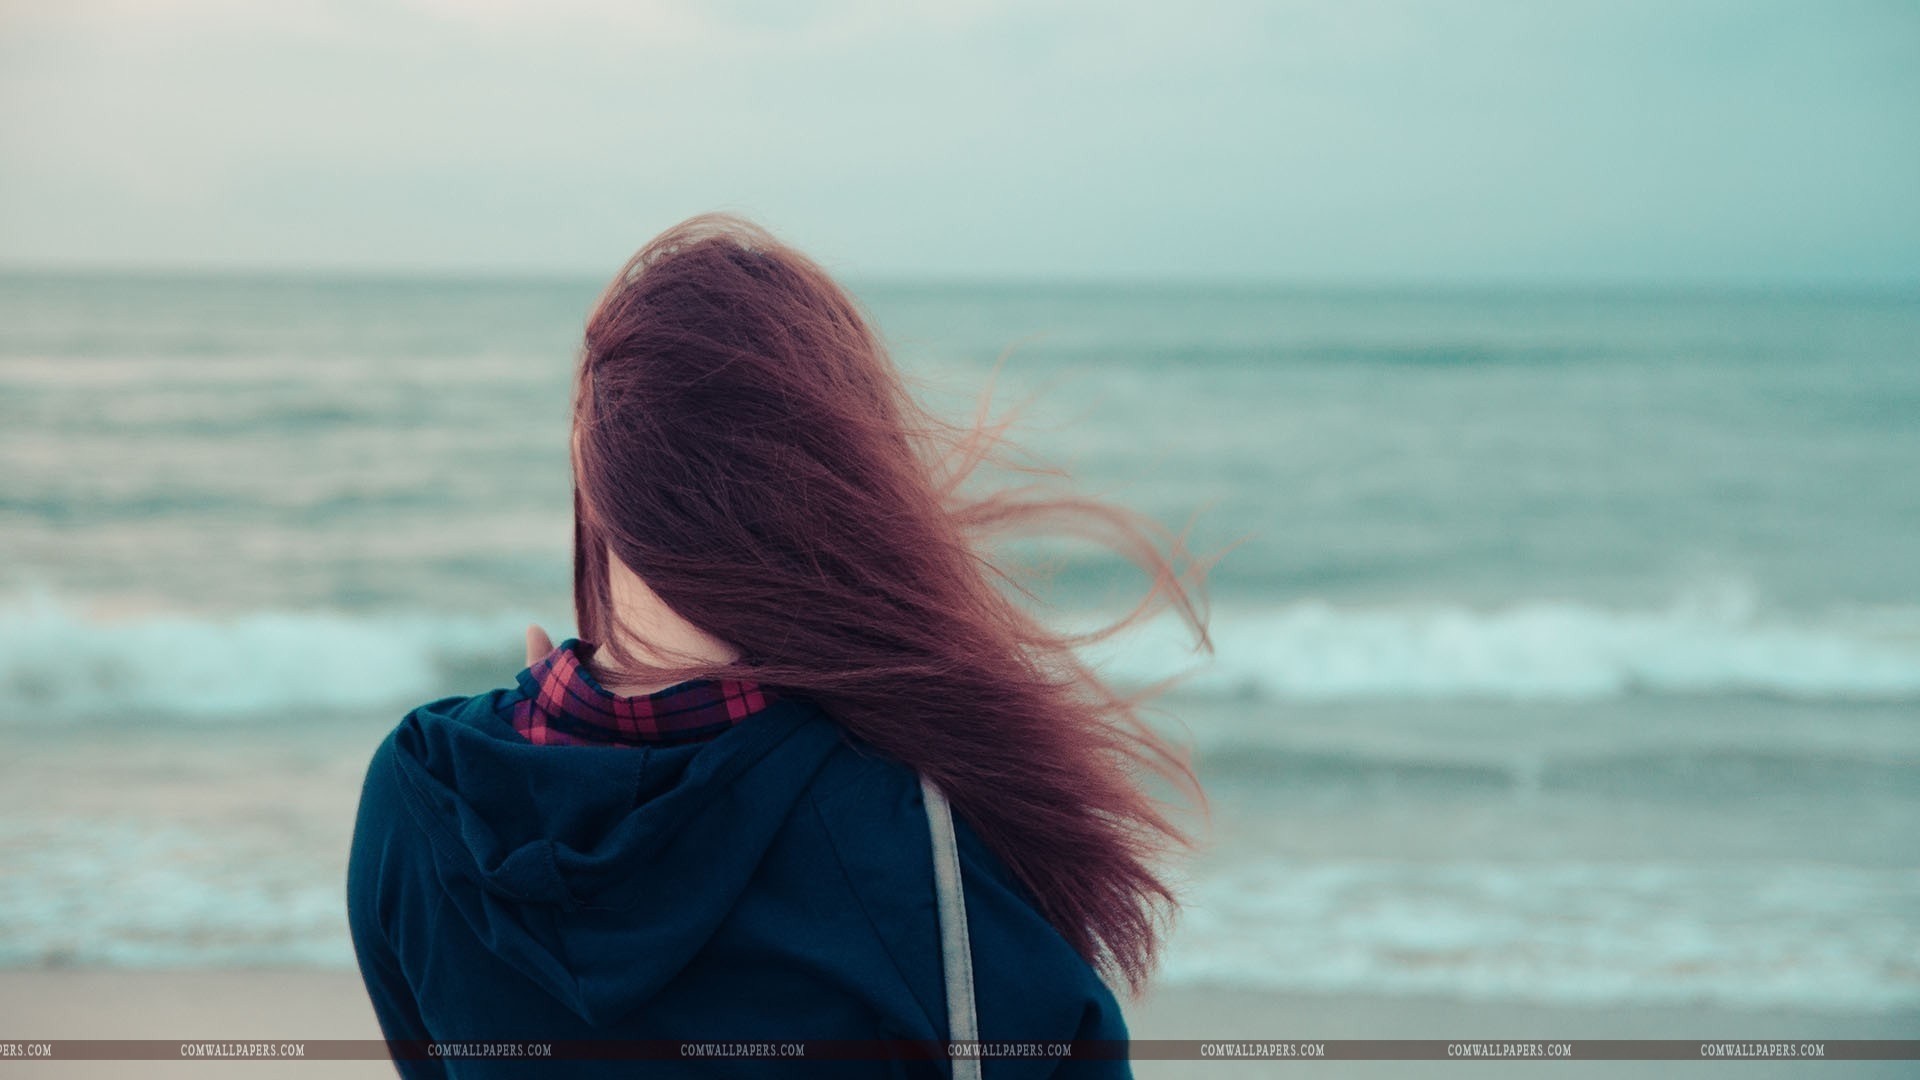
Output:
x,y
566,706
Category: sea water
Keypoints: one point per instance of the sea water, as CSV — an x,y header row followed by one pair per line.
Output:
x,y
1569,649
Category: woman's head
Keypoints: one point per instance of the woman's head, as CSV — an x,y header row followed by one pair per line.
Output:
x,y
745,446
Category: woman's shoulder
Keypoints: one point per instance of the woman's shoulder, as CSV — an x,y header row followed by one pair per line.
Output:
x,y
872,807
487,714
421,733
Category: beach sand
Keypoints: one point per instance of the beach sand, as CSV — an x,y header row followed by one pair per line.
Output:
x,y
252,1006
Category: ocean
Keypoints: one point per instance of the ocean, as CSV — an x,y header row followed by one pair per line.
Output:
x,y
1570,650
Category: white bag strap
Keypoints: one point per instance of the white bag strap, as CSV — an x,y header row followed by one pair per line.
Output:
x,y
956,953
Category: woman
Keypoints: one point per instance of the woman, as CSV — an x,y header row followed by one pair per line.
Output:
x,y
702,821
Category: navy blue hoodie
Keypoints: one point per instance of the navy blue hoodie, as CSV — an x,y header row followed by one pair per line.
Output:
x,y
772,884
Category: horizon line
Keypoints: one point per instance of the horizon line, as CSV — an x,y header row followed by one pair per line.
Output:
x,y
1355,283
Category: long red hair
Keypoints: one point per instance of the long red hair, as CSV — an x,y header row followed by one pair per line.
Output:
x,y
746,446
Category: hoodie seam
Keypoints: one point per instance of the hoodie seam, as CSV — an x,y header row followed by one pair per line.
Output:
x,y
429,825
571,902
445,844
879,938
641,770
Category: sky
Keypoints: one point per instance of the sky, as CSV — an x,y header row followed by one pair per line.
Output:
x,y
1364,141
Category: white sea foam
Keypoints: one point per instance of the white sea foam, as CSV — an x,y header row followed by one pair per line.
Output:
x,y
119,892
1745,935
1718,642
56,660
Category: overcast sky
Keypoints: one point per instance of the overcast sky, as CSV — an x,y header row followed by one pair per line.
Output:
x,y
1673,141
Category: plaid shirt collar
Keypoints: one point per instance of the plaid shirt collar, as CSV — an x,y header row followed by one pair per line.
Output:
x,y
565,706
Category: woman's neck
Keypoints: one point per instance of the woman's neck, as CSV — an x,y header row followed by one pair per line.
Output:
x,y
656,632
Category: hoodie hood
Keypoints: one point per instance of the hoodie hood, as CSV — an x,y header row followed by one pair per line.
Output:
x,y
600,871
